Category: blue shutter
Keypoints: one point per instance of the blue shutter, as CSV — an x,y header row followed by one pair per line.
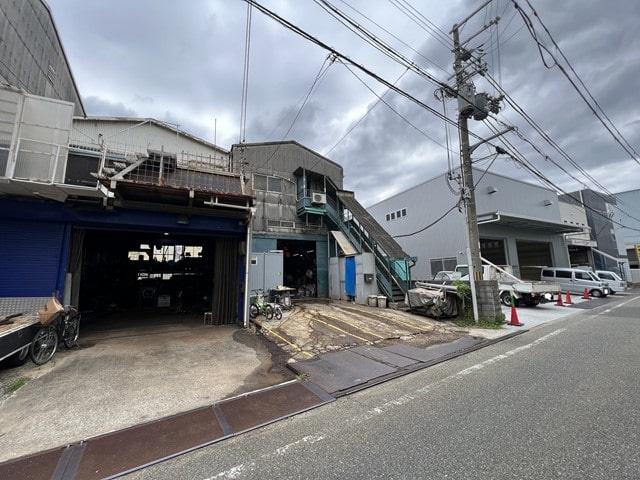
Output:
x,y
29,258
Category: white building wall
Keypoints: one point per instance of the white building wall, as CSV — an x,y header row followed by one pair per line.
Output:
x,y
424,204
627,211
140,135
447,238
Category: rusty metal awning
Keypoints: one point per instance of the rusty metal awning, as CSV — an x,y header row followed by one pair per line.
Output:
x,y
344,243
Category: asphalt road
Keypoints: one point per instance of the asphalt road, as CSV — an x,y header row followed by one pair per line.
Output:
x,y
561,401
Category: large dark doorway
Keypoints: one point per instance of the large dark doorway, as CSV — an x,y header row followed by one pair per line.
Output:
x,y
493,250
299,265
145,271
532,255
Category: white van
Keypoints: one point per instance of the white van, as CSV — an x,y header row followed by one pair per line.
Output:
x,y
616,284
575,280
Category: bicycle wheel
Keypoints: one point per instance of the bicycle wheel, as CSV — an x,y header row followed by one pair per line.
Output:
x,y
44,345
277,312
253,311
71,331
268,312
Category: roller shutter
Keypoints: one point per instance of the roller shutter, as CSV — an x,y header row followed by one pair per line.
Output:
x,y
29,258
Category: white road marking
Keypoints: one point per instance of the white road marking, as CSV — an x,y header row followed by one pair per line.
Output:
x,y
389,405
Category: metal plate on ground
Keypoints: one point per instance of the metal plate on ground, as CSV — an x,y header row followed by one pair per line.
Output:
x,y
40,465
269,405
326,375
434,352
359,365
344,370
127,449
380,355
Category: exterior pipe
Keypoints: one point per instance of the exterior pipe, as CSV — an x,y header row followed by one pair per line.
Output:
x,y
247,255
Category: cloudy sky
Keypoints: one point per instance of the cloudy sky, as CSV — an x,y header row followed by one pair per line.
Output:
x,y
183,63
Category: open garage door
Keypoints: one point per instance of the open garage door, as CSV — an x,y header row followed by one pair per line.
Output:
x,y
532,254
125,271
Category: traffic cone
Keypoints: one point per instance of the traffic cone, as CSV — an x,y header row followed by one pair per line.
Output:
x,y
514,317
585,295
567,300
559,302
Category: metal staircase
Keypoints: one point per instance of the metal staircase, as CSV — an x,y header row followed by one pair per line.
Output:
x,y
347,215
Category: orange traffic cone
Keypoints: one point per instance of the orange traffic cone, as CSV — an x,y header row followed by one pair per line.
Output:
x,y
559,302
567,300
514,318
585,295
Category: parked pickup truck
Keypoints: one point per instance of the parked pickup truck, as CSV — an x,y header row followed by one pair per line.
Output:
x,y
525,292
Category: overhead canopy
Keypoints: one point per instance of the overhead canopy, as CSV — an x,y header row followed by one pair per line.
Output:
x,y
517,221
344,243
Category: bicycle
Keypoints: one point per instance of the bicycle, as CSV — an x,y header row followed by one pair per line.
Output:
x,y
277,310
259,307
65,327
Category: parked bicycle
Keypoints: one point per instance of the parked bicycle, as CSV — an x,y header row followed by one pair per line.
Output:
x,y
277,310
65,327
259,307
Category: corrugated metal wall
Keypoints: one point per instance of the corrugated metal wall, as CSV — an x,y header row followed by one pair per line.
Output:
x,y
425,203
31,54
447,238
140,135
284,158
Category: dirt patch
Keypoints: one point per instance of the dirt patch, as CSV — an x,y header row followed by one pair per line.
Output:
x,y
310,329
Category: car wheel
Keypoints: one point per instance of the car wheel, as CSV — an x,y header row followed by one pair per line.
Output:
x,y
505,297
18,358
596,293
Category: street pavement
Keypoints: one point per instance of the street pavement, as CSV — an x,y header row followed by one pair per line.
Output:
x,y
531,317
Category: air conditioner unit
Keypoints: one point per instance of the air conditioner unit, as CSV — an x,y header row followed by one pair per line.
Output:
x,y
319,198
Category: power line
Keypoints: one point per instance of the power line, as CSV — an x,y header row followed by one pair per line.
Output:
x,y
610,127
245,77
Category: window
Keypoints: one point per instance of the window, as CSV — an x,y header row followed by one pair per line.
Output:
x,y
396,215
440,264
563,274
259,182
548,273
274,184
267,183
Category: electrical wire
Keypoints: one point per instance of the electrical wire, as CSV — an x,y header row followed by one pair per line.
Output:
x,y
245,77
610,127
319,77
366,114
456,206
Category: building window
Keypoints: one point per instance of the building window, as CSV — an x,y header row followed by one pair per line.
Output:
x,y
440,264
267,183
396,215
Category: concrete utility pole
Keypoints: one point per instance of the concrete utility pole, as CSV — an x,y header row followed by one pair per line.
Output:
x,y
477,106
464,107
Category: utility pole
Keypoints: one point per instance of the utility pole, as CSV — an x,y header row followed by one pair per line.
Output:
x,y
468,192
477,106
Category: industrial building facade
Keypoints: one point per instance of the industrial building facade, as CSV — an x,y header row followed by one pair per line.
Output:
x,y
520,224
329,245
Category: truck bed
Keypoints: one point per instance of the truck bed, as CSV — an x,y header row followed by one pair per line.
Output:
x,y
16,333
530,286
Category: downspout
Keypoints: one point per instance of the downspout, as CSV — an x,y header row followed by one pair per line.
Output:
x,y
245,315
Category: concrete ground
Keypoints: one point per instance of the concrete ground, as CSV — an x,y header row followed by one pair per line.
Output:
x,y
140,368
127,375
